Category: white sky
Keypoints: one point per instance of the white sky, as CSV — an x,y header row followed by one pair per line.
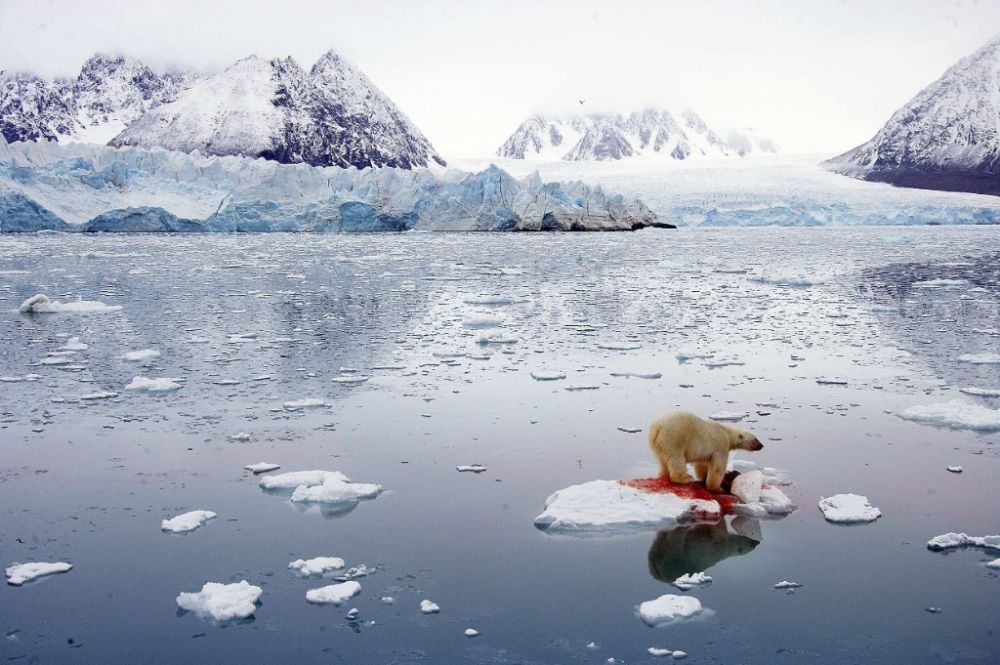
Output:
x,y
817,76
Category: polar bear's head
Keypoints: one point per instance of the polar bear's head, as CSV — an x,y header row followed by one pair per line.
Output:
x,y
740,439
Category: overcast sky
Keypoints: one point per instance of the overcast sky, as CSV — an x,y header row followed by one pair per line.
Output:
x,y
817,76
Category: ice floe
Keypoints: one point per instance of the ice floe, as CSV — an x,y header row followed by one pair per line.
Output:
x,y
471,468
305,403
688,581
951,540
659,652
471,632
40,304
317,566
981,392
980,358
320,487
103,394
160,385
428,607
481,322
20,573
349,380
848,509
954,469
669,609
140,356
221,602
620,347
73,344
242,437
334,594
955,414
546,375
785,584
637,375
262,467
187,522
729,416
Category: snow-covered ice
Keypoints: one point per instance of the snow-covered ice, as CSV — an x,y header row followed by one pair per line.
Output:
x,y
293,479
471,632
19,573
160,385
187,521
951,540
102,394
335,488
334,594
221,602
471,468
954,469
547,375
660,652
305,403
981,392
428,607
242,437
669,609
262,467
41,304
729,416
688,581
955,414
980,358
848,509
785,584
317,566
140,356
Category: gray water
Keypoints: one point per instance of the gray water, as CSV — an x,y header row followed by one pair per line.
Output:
x,y
89,481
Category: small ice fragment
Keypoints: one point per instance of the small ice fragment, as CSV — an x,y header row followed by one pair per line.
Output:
x,y
19,573
630,430
619,347
388,600
994,564
187,521
40,304
688,581
668,609
729,416
785,584
160,385
262,467
104,394
349,380
689,354
481,322
980,358
577,387
471,632
952,539
825,381
317,566
306,403
933,610
221,602
547,375
679,655
352,614
73,344
954,469
140,356
473,468
981,392
955,414
240,436
428,607
657,652
848,509
637,375
335,594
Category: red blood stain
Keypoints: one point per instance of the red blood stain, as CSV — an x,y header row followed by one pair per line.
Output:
x,y
688,491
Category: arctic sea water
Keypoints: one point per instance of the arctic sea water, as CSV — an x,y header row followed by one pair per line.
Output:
x,y
417,353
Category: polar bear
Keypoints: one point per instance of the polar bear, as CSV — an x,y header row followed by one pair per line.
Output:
x,y
680,437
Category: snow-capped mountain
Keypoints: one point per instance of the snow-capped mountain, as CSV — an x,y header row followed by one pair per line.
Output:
x,y
947,137
109,93
599,136
332,115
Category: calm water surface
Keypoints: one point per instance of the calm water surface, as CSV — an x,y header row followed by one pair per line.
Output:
x,y
89,481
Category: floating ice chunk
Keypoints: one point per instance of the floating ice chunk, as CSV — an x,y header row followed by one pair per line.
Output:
x,y
729,416
981,392
723,362
56,359
620,347
355,572
336,490
637,375
262,467
294,479
994,564
679,655
608,505
334,594
659,653
980,358
490,301
351,380
19,573
428,607
103,394
954,469
141,356
797,280
747,486
471,632
955,414
848,509
692,354
239,436
952,539
221,602
581,386
939,283
305,403
481,322
688,581
630,430
187,522
317,566
161,385
73,344
775,502
547,375
472,468
829,381
785,584
40,304
494,337
669,609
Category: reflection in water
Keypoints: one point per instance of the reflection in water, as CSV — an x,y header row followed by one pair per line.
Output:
x,y
693,549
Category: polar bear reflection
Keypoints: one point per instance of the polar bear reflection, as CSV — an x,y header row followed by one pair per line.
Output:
x,y
694,549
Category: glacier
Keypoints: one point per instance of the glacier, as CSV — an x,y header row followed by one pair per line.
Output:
x,y
47,186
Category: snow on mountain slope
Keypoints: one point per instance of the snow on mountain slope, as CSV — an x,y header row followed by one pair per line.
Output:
x,y
331,116
31,108
947,137
74,187
650,133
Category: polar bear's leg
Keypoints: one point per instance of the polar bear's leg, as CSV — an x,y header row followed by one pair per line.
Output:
x,y
701,470
677,468
716,472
